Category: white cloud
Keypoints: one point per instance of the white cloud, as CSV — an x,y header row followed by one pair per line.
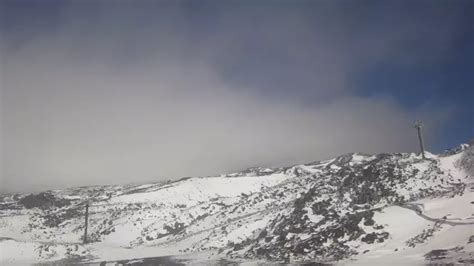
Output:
x,y
96,102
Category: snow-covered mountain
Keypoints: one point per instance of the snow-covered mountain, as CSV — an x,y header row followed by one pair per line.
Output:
x,y
354,209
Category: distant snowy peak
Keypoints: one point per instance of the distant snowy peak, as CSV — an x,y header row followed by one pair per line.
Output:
x,y
459,148
466,162
255,171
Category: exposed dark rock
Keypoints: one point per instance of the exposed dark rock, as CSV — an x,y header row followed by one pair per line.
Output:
x,y
44,200
471,239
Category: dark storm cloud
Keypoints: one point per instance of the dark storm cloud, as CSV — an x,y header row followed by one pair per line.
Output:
x,y
102,92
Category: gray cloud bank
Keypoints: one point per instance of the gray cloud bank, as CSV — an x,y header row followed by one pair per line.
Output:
x,y
125,94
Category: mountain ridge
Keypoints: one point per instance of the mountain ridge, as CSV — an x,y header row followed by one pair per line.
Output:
x,y
325,211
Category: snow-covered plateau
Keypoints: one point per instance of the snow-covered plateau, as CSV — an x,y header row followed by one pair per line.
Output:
x,y
385,209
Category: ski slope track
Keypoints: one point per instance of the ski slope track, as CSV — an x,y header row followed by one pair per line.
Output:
x,y
356,209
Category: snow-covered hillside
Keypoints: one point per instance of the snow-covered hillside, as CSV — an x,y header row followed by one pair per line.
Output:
x,y
355,209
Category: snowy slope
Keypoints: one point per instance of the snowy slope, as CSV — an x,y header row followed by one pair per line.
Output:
x,y
356,209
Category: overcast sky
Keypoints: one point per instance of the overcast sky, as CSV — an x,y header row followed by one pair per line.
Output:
x,y
104,92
